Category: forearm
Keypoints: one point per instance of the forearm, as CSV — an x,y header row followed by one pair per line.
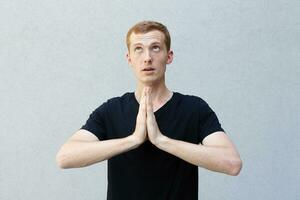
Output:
x,y
215,158
75,154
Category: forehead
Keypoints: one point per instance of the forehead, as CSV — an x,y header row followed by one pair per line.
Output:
x,y
147,38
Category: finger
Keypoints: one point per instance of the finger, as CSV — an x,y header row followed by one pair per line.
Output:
x,y
142,106
149,105
146,89
145,94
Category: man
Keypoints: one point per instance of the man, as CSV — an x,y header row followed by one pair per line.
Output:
x,y
154,139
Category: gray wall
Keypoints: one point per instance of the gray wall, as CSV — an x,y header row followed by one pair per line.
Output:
x,y
60,60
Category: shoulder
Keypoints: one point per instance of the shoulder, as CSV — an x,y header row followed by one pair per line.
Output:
x,y
119,99
117,102
109,106
191,100
114,101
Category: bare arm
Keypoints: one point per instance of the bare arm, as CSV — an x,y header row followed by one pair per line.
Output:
x,y
217,153
84,149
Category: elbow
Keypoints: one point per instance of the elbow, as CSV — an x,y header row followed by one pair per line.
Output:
x,y
62,161
67,160
235,167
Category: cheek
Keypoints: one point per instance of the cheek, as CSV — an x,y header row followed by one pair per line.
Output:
x,y
136,59
163,60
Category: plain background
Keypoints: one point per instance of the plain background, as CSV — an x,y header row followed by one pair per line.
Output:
x,y
59,60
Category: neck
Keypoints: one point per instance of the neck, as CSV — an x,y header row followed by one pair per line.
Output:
x,y
159,93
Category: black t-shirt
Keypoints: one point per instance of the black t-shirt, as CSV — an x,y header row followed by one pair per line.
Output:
x,y
148,172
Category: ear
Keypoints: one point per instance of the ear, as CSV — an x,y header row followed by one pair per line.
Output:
x,y
170,57
128,58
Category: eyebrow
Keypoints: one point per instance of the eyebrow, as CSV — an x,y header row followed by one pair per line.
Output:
x,y
156,43
136,44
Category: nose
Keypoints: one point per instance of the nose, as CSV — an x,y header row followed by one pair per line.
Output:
x,y
147,57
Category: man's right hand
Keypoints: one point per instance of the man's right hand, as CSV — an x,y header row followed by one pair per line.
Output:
x,y
84,148
140,132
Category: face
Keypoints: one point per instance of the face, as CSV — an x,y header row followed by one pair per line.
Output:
x,y
148,56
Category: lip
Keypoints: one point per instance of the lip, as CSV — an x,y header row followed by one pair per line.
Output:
x,y
148,69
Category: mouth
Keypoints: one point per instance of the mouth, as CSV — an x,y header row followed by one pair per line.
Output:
x,y
148,69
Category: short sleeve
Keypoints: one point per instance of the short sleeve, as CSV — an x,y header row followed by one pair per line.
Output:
x,y
208,122
96,122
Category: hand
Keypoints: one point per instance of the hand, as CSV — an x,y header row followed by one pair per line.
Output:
x,y
140,132
154,133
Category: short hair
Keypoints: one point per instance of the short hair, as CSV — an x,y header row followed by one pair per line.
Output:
x,y
147,26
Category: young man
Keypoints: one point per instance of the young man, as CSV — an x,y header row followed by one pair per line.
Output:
x,y
154,139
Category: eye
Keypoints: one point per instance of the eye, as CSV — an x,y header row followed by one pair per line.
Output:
x,y
138,49
156,48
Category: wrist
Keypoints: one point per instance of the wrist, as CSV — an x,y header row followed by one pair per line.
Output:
x,y
160,140
136,141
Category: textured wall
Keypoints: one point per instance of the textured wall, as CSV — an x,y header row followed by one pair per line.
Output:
x,y
60,60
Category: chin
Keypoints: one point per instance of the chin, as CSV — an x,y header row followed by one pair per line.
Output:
x,y
150,81
154,79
